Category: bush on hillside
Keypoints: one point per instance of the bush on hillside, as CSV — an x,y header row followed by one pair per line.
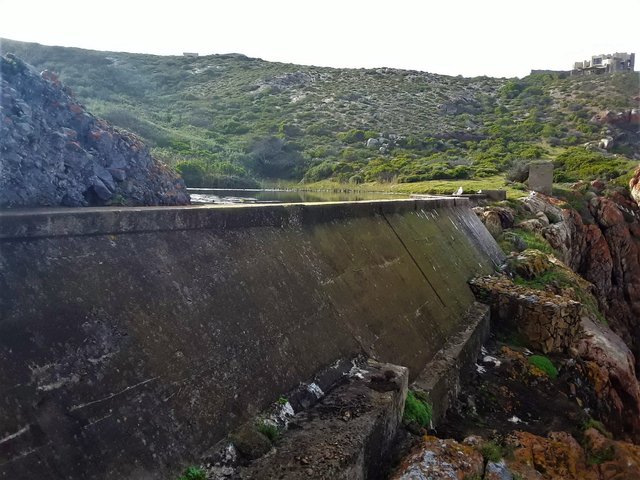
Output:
x,y
576,164
518,171
191,172
355,136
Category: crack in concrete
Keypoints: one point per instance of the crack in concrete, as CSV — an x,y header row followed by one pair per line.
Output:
x,y
15,435
108,397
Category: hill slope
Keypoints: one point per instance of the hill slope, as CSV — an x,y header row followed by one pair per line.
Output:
x,y
231,117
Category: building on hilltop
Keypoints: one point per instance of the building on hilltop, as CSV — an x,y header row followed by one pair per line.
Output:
x,y
189,54
606,63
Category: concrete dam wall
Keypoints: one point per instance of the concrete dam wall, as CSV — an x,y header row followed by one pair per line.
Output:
x,y
133,339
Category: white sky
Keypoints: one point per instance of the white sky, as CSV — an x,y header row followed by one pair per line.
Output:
x,y
481,37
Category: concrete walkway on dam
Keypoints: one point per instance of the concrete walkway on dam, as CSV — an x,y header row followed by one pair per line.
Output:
x,y
132,339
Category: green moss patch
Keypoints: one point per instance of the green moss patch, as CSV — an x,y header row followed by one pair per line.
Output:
x,y
543,363
193,473
418,409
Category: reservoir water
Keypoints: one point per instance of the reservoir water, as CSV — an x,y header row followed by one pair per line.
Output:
x,y
218,195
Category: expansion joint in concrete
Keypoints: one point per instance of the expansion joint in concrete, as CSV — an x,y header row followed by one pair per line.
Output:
x,y
413,259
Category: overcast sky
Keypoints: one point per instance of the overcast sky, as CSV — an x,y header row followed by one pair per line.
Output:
x,y
468,37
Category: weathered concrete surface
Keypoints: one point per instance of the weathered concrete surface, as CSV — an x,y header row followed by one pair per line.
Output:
x,y
348,435
442,376
541,177
133,339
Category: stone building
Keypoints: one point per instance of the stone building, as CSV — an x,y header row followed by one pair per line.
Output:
x,y
606,63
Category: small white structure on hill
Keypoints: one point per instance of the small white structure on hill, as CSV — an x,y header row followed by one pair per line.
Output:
x,y
189,54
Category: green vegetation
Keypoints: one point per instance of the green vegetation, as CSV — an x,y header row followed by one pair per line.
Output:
x,y
601,456
527,240
269,430
576,164
553,275
193,473
599,426
418,409
491,452
229,120
543,280
543,363
282,400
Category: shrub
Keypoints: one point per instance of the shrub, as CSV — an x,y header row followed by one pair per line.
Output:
x,y
319,172
356,179
193,473
532,240
518,171
272,157
233,127
543,363
192,173
579,164
418,409
491,452
599,426
355,136
269,430
601,456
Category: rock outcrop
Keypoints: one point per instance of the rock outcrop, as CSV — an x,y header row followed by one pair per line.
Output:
x,y
557,456
634,186
53,152
604,248
437,459
625,119
554,312
611,371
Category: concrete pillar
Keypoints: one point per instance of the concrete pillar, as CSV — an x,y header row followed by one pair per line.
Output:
x,y
541,177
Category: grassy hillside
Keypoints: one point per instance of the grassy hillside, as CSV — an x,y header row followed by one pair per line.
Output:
x,y
225,119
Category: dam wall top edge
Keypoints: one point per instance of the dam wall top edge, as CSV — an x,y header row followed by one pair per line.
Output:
x,y
59,222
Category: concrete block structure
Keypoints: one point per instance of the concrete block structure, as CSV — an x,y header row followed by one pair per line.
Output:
x,y
541,177
605,63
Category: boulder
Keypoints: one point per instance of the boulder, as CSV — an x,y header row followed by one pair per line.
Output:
x,y
440,459
495,218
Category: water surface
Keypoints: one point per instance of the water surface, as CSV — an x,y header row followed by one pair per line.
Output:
x,y
219,195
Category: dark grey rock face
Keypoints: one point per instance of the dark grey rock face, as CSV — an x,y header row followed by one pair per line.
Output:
x,y
53,152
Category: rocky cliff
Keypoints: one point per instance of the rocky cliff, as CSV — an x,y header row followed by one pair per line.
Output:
x,y
53,152
602,244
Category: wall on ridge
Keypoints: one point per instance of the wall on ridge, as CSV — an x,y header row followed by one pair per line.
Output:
x,y
133,339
